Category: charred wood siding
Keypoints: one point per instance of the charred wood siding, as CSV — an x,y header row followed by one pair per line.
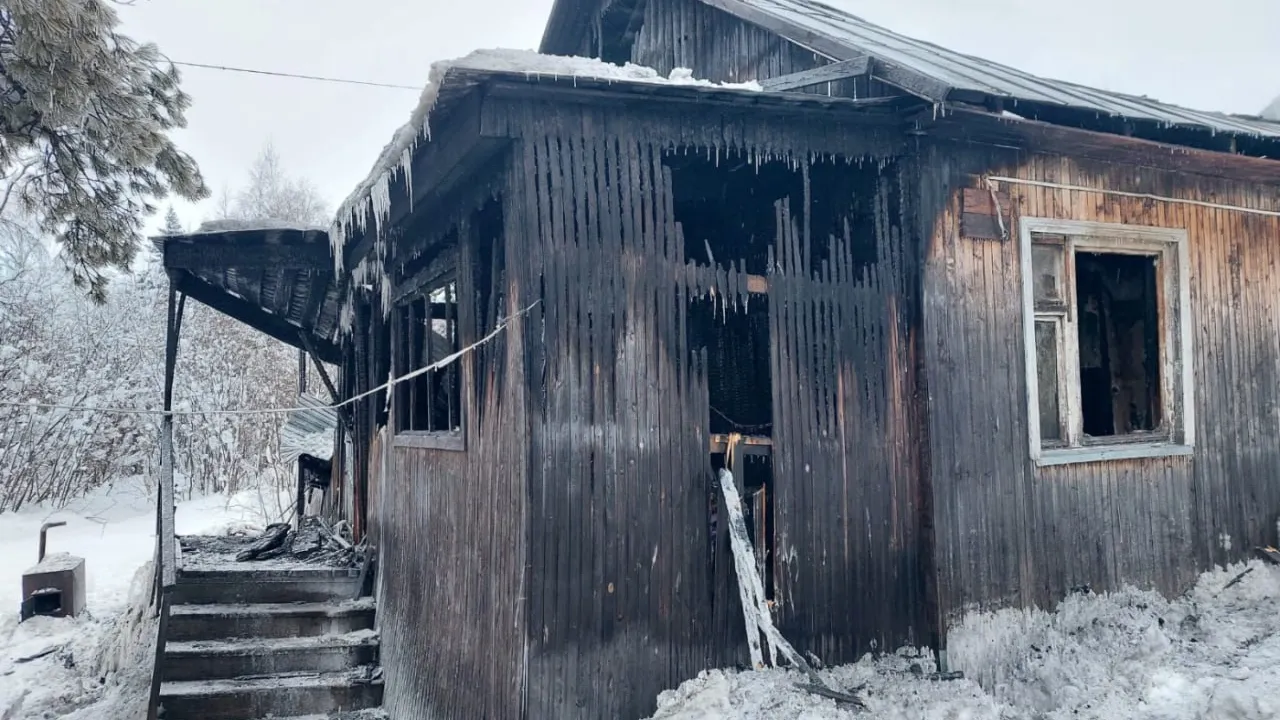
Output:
x,y
621,601
1009,533
720,47
453,527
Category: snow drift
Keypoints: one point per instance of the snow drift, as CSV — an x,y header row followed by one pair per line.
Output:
x,y
1212,653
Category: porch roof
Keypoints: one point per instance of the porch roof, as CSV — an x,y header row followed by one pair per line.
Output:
x,y
277,278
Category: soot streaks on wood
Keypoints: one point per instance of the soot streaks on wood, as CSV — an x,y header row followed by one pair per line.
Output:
x,y
624,569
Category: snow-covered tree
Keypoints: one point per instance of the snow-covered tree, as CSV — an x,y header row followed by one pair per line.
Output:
x,y
85,114
272,194
172,225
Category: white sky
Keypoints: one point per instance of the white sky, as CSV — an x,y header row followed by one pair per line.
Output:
x,y
1226,59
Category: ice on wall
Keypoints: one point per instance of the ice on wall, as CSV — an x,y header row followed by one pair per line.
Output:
x,y
371,200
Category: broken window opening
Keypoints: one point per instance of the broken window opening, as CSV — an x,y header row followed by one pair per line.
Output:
x,y
725,205
1119,343
614,33
430,401
1106,331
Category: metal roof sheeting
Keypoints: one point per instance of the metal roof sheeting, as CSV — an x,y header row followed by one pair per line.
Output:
x,y
309,430
964,72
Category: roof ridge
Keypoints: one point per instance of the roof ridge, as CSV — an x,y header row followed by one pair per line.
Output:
x,y
956,71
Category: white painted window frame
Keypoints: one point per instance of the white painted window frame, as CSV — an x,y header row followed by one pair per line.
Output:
x,y
1176,351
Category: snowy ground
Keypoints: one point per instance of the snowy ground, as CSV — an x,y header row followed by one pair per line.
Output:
x,y
1214,653
101,662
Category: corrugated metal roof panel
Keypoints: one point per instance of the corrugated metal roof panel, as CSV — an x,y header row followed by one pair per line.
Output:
x,y
965,72
309,430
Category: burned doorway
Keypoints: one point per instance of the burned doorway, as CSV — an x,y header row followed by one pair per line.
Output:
x,y
813,228
724,208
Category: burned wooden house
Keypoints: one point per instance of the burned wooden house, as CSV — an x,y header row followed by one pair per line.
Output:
x,y
976,337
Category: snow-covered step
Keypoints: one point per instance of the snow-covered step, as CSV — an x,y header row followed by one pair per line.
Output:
x,y
269,620
223,659
281,696
275,585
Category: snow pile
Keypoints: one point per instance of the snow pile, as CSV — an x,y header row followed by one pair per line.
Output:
x,y
396,157
80,668
890,688
1213,653
97,666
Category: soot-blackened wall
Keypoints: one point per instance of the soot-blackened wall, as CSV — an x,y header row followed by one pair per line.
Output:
x,y
623,599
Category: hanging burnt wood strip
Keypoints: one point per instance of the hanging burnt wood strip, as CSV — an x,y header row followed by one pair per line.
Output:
x,y
317,289
841,70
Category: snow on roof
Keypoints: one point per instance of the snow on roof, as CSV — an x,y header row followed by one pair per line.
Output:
x,y
397,156
222,226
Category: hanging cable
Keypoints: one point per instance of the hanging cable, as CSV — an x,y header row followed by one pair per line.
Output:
x,y
1138,195
272,73
445,362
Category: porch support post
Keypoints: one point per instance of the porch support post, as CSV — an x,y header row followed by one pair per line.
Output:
x,y
166,542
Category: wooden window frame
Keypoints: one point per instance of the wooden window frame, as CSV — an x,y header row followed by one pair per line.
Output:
x,y
451,440
1176,437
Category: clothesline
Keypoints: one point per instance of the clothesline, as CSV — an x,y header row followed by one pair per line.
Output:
x,y
439,364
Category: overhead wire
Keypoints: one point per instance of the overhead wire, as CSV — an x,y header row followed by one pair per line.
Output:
x,y
296,76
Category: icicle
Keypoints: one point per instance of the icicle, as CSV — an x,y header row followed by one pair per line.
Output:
x,y
406,166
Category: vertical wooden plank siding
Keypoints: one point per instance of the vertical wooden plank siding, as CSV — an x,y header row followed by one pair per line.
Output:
x,y
720,47
453,530
621,600
1009,533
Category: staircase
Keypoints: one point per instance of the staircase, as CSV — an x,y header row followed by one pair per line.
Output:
x,y
276,642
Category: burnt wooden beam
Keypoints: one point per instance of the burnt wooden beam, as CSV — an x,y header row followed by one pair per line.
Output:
x,y
641,96
747,444
252,315
438,270
841,70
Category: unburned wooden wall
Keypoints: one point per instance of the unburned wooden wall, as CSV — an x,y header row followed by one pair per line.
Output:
x,y
1009,533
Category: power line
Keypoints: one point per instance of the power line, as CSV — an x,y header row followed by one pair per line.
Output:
x,y
296,76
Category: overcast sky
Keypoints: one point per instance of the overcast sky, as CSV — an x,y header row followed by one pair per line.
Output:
x,y
1227,59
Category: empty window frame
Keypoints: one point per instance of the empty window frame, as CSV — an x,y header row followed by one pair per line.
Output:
x,y
1108,345
430,404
